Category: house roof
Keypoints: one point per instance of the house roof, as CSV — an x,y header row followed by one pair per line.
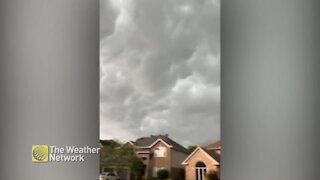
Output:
x,y
215,145
211,154
107,142
146,142
131,143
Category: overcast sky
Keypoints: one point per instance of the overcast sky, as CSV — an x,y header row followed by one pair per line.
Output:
x,y
160,69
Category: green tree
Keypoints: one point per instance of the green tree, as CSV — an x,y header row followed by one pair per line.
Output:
x,y
163,174
137,167
192,148
118,155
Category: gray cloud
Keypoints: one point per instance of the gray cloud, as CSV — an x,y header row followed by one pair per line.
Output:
x,y
160,69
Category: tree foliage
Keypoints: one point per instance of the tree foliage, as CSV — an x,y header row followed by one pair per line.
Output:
x,y
117,155
192,148
212,176
137,167
163,174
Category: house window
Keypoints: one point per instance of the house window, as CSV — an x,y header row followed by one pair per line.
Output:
x,y
160,152
201,170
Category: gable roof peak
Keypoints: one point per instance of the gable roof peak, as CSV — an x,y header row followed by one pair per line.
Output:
x,y
149,141
209,153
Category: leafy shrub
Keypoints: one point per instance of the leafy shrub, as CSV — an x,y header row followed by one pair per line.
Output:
x,y
212,176
163,174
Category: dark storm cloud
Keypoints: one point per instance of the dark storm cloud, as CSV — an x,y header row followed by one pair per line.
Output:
x,y
160,69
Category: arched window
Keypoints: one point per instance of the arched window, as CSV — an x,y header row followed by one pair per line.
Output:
x,y
201,170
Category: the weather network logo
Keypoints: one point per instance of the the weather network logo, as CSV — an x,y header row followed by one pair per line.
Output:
x,y
40,153
52,153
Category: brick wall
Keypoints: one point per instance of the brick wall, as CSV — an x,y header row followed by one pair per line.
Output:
x,y
161,162
174,166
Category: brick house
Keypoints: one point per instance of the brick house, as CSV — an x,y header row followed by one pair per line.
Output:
x,y
201,161
161,152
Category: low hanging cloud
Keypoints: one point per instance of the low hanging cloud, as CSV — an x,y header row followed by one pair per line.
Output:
x,y
160,69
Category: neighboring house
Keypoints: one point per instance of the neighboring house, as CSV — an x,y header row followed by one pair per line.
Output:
x,y
201,161
214,146
161,152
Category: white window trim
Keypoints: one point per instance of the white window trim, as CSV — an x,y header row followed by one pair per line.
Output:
x,y
202,175
160,152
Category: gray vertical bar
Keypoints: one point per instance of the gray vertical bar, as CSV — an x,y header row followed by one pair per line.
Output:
x,y
49,85
270,90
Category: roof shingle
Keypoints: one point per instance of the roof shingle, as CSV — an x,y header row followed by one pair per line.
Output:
x,y
147,141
